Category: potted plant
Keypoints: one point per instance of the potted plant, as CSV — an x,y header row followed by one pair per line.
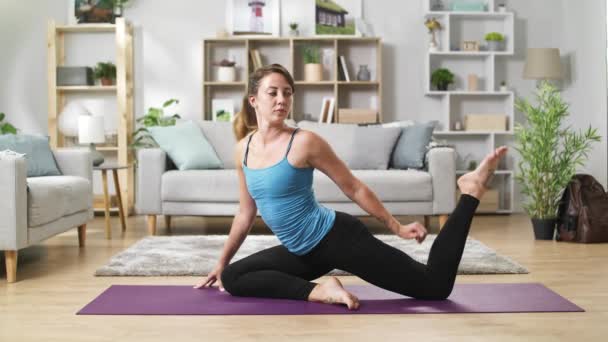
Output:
x,y
226,72
106,73
154,117
503,86
313,70
442,78
293,29
494,40
433,26
549,154
5,127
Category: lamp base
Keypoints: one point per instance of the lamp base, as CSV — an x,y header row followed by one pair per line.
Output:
x,y
97,157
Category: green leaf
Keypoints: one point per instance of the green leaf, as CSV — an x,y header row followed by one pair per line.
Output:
x,y
2,116
170,102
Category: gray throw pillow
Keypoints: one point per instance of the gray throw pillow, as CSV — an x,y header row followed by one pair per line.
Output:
x,y
412,146
38,154
187,146
360,147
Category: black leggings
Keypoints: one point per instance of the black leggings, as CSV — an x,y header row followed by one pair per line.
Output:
x,y
349,246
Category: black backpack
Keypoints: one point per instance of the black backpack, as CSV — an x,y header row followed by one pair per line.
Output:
x,y
583,211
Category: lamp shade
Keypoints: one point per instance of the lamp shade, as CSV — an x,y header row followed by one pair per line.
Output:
x,y
543,63
90,129
67,122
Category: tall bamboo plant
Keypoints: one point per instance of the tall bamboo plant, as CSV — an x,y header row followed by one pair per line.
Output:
x,y
549,153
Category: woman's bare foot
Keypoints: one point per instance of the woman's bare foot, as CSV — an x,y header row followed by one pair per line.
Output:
x,y
475,183
332,292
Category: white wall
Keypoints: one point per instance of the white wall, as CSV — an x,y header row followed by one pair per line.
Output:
x,y
168,56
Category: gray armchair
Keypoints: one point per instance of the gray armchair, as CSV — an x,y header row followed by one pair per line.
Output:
x,y
37,208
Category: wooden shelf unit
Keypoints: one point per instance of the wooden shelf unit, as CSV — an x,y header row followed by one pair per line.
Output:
x,y
287,52
123,33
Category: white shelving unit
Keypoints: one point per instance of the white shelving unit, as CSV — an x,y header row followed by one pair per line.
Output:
x,y
457,101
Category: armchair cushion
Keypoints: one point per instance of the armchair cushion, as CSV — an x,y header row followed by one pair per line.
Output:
x,y
50,198
40,161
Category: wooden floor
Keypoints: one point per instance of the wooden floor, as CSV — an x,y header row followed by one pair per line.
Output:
x,y
56,279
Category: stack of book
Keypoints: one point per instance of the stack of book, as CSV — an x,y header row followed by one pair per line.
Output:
x,y
256,59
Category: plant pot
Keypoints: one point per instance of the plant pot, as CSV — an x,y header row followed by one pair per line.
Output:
x,y
106,81
226,74
494,45
442,86
313,72
544,229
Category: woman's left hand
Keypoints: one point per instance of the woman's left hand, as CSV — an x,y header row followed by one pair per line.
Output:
x,y
413,230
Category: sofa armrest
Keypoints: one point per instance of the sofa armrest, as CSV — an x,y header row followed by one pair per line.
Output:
x,y
75,162
13,205
441,162
151,164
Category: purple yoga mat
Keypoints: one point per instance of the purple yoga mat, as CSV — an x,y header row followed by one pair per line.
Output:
x,y
185,300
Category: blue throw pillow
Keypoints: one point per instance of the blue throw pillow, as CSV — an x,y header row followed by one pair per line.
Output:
x,y
186,146
412,145
38,155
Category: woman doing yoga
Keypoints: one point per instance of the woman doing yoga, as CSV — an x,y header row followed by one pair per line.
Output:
x,y
275,164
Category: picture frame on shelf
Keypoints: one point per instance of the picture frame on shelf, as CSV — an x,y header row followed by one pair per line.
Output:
x,y
253,18
324,109
222,110
336,17
90,11
470,45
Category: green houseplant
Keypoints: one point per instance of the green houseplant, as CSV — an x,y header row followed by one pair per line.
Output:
x,y
549,154
5,127
313,70
442,78
495,41
154,117
106,72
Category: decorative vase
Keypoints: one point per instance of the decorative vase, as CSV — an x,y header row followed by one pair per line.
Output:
x,y
502,8
504,88
294,32
544,229
313,72
442,86
226,74
363,74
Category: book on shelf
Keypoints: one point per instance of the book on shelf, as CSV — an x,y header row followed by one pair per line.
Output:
x,y
327,110
256,58
343,69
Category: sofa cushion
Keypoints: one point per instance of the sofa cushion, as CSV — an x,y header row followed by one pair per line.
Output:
x,y
388,185
52,197
412,146
360,147
221,136
40,160
187,146
200,186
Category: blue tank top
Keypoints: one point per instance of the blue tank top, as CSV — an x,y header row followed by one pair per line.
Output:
x,y
286,201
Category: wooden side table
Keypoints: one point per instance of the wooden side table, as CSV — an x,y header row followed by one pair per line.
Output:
x,y
106,198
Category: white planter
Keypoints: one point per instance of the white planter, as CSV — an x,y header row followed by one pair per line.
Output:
x,y
226,74
313,72
504,88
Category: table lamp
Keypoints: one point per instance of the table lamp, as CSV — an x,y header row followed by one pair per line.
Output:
x,y
91,131
67,122
543,64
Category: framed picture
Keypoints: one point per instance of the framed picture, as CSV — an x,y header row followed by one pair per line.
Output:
x,y
327,110
253,17
90,11
337,17
223,109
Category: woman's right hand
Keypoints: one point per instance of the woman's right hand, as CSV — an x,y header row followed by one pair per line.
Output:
x,y
212,278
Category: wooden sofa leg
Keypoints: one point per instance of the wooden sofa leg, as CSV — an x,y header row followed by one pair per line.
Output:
x,y
11,265
442,220
427,222
82,235
168,221
151,224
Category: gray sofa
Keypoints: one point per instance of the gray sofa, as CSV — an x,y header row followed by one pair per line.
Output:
x,y
163,190
34,209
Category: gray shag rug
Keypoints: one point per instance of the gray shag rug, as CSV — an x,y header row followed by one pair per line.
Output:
x,y
197,255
